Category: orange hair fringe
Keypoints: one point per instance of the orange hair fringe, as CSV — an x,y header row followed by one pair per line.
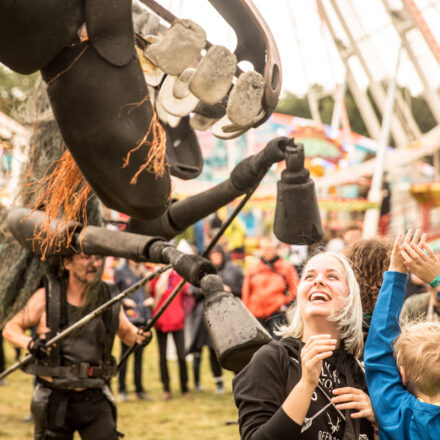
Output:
x,y
64,194
155,163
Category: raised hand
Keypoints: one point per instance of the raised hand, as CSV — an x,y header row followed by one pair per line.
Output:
x,y
354,398
397,263
317,348
420,259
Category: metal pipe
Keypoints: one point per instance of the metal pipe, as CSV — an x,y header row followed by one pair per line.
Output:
x,y
83,321
179,287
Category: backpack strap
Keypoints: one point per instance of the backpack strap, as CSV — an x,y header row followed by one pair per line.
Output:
x,y
56,313
111,321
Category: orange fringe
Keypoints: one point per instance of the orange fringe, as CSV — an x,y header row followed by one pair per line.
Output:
x,y
68,67
64,194
155,163
134,105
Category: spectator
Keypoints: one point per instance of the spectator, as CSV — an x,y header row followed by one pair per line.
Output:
x,y
269,286
305,386
421,307
231,274
404,383
369,258
136,307
232,277
352,234
414,286
171,321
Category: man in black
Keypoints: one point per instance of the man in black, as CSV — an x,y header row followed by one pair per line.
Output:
x,y
72,393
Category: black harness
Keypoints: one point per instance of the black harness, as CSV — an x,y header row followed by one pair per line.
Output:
x,y
57,320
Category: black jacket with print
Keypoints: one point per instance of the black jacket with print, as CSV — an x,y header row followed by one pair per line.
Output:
x,y
263,385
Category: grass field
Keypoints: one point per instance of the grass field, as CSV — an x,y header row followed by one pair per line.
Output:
x,y
203,415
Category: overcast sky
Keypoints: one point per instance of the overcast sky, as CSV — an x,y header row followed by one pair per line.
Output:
x,y
297,20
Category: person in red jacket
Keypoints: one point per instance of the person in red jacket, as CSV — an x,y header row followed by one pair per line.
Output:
x,y
269,285
171,321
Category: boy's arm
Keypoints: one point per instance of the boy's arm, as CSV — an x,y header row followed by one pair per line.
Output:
x,y
388,395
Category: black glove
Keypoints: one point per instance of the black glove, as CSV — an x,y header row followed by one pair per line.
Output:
x,y
37,348
147,339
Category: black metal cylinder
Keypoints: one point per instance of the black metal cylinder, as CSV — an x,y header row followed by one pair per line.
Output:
x,y
297,218
30,230
235,334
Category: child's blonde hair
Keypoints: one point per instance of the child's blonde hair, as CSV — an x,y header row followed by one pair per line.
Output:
x,y
417,350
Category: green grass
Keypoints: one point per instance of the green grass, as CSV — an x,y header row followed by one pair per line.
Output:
x,y
202,416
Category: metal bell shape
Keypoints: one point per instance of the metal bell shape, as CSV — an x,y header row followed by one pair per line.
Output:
x,y
235,334
297,217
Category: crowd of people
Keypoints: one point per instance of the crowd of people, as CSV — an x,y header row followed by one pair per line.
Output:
x,y
344,367
340,366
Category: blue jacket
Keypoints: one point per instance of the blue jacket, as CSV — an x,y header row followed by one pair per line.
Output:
x,y
399,414
124,278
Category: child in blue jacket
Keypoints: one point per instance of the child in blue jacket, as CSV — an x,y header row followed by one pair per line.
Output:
x,y
404,382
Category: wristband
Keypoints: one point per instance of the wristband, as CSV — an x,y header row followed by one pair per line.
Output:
x,y
435,282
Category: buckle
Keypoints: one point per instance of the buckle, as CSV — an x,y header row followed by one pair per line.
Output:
x,y
83,370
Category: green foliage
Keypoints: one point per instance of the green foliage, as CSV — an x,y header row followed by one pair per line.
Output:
x,y
422,114
291,104
356,122
14,88
326,105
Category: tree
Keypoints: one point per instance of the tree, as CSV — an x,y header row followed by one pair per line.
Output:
x,y
14,88
291,104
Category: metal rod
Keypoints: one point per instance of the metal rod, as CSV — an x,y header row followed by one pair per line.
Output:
x,y
178,288
371,219
88,318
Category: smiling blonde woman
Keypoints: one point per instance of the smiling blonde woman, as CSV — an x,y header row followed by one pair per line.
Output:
x,y
310,385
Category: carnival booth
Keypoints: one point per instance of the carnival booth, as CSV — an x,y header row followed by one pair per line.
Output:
x,y
326,152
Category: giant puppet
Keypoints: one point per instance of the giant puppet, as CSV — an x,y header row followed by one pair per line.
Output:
x,y
127,105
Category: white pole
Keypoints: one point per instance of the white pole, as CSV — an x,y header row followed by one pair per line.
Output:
x,y
371,220
339,103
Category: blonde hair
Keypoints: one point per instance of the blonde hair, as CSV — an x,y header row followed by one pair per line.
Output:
x,y
349,318
416,349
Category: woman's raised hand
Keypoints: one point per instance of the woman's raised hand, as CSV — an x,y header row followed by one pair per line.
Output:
x,y
317,348
354,398
397,263
420,259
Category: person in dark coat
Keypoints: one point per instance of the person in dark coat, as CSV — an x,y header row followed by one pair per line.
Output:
x,y
231,274
310,384
232,277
